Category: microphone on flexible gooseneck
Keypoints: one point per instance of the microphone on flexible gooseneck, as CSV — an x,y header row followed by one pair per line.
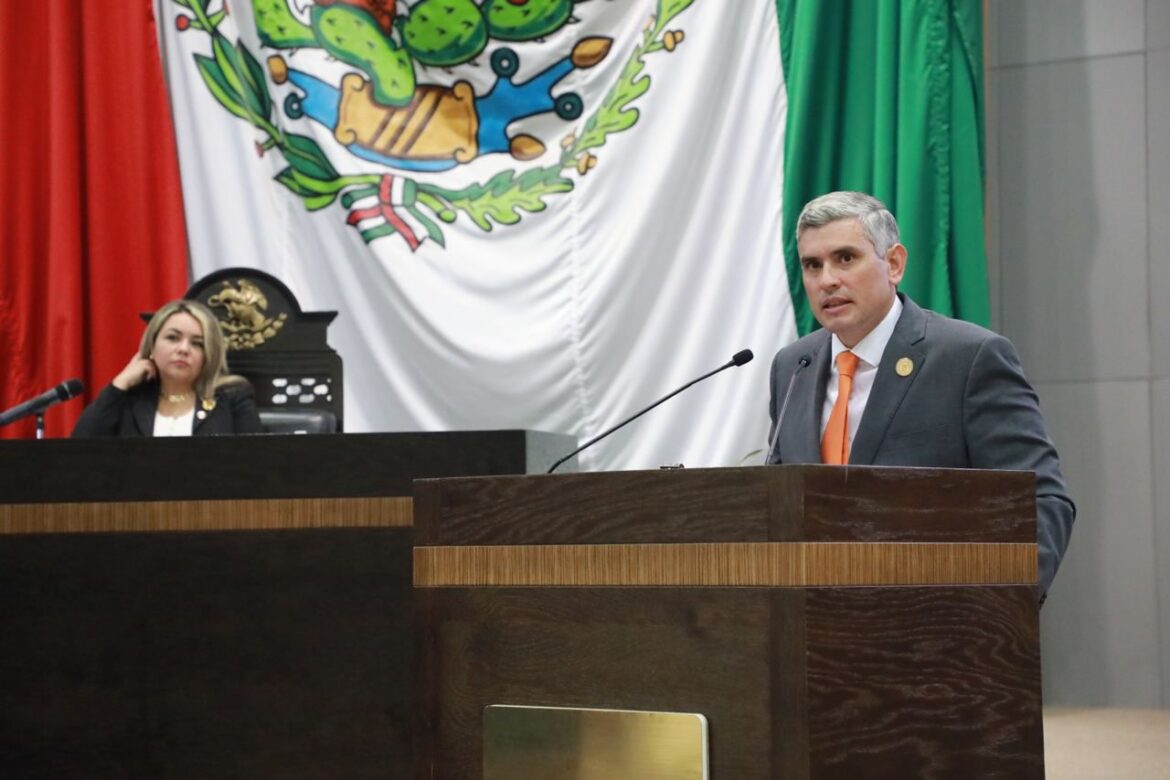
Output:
x,y
802,364
70,388
738,359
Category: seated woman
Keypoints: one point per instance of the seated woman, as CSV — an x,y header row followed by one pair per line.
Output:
x,y
177,384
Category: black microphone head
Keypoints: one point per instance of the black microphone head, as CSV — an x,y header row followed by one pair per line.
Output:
x,y
70,388
804,361
741,357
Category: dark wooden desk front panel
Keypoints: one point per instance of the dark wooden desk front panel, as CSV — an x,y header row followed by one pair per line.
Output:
x,y
217,608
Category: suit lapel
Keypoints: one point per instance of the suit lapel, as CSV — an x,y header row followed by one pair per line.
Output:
x,y
144,405
889,388
203,410
805,407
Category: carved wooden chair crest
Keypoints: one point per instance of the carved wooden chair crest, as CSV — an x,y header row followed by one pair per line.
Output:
x,y
280,349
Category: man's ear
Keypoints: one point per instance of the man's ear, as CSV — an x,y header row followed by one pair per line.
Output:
x,y
896,260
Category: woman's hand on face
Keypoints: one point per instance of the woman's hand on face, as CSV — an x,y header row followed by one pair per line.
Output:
x,y
137,371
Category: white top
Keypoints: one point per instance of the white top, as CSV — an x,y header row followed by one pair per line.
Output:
x,y
183,425
869,352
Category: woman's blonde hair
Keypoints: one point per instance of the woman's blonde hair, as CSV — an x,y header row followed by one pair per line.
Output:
x,y
214,373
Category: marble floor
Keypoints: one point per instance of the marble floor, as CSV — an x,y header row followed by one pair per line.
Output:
x,y
1103,744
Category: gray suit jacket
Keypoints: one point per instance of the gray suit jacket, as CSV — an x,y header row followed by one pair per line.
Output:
x,y
966,404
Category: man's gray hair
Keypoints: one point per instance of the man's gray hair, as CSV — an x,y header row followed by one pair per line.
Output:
x,y
876,220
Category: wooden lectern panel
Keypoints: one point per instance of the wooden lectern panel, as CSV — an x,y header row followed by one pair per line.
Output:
x,y
923,683
794,683
784,564
536,592
796,503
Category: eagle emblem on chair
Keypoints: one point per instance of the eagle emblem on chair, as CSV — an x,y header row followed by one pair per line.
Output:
x,y
247,324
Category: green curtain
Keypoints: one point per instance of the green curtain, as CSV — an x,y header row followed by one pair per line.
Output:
x,y
886,97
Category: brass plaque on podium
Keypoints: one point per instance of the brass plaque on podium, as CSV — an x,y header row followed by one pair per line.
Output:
x,y
560,743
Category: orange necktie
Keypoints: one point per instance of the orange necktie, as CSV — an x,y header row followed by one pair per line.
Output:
x,y
835,444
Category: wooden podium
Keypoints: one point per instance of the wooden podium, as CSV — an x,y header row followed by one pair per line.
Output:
x,y
828,622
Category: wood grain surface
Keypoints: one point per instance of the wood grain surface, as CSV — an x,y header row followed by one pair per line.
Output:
x,y
262,466
235,654
760,504
912,682
929,683
784,564
678,650
236,515
816,615
159,634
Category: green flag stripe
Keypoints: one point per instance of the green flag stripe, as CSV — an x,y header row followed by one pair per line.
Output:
x,y
886,96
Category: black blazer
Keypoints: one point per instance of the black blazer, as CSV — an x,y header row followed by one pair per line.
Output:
x,y
131,412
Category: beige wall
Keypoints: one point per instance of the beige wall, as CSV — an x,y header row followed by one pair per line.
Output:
x,y
1078,134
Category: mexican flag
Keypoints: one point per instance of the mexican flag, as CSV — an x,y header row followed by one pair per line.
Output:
x,y
547,214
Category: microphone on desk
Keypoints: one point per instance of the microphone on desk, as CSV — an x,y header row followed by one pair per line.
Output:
x,y
70,388
738,359
804,362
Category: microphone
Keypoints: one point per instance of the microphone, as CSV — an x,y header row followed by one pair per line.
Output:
x,y
70,388
802,364
738,359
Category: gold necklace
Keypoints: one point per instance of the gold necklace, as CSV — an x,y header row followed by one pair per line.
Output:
x,y
175,398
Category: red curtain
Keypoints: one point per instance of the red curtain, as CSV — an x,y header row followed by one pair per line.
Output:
x,y
91,217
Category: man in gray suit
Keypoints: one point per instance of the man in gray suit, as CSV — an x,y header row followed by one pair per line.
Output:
x,y
920,389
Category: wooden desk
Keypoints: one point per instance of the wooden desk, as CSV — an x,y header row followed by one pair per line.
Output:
x,y
218,607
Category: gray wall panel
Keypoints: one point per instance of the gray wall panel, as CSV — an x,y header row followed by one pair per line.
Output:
x,y
1160,403
1033,31
1071,232
1158,135
1078,138
1099,627
1157,24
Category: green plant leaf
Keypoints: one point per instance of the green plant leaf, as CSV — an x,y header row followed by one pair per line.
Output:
x,y
307,185
318,202
437,206
223,93
433,230
315,195
288,179
385,229
613,116
254,75
354,195
237,74
668,9
303,154
504,196
409,192
229,65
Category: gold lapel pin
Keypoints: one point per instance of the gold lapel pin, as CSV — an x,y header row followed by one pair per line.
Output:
x,y
208,405
904,366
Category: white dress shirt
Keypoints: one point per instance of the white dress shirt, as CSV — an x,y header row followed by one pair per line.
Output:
x,y
869,352
183,425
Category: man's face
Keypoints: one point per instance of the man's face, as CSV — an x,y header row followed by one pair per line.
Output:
x,y
849,286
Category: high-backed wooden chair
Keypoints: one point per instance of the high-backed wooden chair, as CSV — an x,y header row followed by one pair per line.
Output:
x,y
280,349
